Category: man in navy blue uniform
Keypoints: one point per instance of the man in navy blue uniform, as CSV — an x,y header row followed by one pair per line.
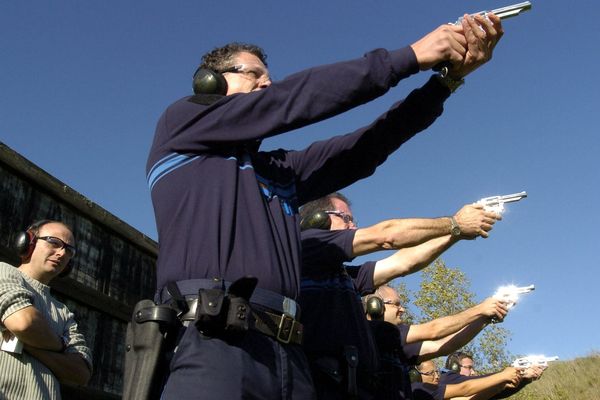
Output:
x,y
226,210
428,386
403,346
460,367
333,315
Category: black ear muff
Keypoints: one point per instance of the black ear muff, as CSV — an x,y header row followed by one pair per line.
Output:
x,y
24,244
374,308
414,375
454,366
207,81
318,220
453,362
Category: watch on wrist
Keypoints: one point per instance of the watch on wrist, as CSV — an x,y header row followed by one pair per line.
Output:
x,y
448,81
454,228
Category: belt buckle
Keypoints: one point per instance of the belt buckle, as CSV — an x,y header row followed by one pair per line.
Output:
x,y
286,323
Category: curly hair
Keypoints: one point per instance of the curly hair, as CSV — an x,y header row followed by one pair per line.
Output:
x,y
221,58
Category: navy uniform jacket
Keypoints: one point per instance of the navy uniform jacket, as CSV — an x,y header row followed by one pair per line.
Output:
x,y
224,209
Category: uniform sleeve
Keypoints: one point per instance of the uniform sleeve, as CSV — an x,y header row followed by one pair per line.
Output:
x,y
324,247
13,295
410,351
363,277
358,154
427,391
299,100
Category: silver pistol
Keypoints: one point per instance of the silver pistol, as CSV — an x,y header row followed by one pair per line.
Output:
x,y
505,12
496,203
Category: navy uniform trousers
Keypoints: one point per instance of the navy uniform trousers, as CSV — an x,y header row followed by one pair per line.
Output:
x,y
251,366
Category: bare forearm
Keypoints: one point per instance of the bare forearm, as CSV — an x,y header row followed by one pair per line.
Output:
x,y
32,328
67,367
431,349
410,260
452,343
399,233
492,383
441,327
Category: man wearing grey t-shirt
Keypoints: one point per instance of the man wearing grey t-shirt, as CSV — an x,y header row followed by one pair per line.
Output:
x,y
41,345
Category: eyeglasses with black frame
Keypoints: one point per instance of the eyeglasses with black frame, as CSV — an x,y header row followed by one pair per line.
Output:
x,y
346,217
59,244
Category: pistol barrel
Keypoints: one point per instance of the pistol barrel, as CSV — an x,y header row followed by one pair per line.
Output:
x,y
513,10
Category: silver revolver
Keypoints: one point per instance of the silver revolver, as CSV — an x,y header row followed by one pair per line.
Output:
x,y
505,12
502,13
496,203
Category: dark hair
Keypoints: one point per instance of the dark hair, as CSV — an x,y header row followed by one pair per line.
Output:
x,y
221,58
322,204
455,358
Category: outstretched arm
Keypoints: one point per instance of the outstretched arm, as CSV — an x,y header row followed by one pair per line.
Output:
x,y
444,326
490,383
410,260
472,220
431,349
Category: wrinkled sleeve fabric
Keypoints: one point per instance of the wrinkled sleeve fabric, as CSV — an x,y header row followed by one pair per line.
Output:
x,y
13,295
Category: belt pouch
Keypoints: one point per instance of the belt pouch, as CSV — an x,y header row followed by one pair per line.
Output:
x,y
238,315
210,313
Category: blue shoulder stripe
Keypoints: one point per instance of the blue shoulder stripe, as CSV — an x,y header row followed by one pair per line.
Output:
x,y
168,164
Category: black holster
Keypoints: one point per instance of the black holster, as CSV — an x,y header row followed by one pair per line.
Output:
x,y
150,333
342,370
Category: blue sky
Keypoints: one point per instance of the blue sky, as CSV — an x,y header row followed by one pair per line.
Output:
x,y
83,84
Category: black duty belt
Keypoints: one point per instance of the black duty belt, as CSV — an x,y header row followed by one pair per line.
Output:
x,y
276,315
262,297
283,328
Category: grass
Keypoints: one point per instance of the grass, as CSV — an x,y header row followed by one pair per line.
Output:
x,y
578,379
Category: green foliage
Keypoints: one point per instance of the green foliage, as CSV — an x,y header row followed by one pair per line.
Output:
x,y
445,291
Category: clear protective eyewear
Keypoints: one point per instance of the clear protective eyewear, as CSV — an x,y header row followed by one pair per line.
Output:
x,y
254,71
346,217
57,243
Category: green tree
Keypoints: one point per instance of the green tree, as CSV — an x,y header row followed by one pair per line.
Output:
x,y
445,291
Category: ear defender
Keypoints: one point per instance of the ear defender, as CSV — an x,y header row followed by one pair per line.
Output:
x,y
206,81
318,220
414,375
374,307
24,244
452,363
